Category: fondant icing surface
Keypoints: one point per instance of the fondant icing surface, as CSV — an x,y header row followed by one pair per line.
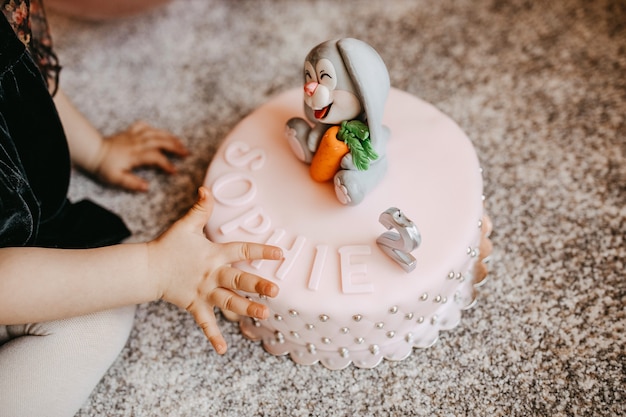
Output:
x,y
342,298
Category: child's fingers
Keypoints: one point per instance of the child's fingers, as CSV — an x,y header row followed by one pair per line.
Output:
x,y
218,343
245,251
156,159
207,322
199,214
130,181
228,300
138,127
233,278
163,141
158,139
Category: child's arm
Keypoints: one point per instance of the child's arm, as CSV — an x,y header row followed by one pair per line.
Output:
x,y
41,284
113,158
182,267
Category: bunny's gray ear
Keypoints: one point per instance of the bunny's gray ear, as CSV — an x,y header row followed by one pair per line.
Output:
x,y
371,80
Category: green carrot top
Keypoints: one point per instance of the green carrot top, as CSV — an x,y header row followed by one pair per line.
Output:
x,y
356,135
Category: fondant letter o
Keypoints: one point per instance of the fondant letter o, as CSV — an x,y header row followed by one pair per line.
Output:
x,y
234,189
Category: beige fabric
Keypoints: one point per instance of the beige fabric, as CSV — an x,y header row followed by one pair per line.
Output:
x,y
49,369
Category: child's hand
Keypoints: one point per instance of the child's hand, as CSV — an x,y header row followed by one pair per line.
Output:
x,y
196,274
139,146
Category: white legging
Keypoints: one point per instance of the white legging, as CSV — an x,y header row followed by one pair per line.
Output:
x,y
49,369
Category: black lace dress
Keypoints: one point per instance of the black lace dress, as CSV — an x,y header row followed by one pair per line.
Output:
x,y
34,157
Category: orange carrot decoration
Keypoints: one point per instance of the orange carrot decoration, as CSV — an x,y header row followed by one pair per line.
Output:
x,y
352,136
327,158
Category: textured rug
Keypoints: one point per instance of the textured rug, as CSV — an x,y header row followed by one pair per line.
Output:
x,y
539,87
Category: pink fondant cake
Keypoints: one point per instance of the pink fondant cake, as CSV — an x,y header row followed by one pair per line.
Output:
x,y
343,299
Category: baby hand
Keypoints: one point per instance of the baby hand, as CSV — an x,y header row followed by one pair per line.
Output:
x,y
139,146
196,274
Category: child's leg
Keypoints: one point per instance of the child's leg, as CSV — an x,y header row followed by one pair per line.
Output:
x,y
49,369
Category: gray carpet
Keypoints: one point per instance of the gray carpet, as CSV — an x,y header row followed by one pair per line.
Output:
x,y
540,87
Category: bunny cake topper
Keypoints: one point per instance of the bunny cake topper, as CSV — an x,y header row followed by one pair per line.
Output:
x,y
346,84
